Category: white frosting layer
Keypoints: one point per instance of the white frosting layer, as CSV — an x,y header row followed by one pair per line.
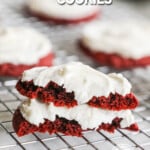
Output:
x,y
83,80
128,39
53,9
88,117
20,45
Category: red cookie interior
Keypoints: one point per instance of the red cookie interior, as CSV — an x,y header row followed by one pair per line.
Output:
x,y
57,94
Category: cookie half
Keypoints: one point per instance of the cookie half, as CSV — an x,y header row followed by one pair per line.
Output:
x,y
34,116
74,84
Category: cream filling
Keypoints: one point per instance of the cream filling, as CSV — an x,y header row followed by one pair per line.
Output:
x,y
53,9
88,117
127,39
20,45
82,79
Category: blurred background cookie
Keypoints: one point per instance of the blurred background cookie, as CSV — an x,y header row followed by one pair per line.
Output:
x,y
118,44
23,48
51,10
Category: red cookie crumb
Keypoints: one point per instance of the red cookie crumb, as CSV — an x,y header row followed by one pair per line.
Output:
x,y
8,69
23,127
114,60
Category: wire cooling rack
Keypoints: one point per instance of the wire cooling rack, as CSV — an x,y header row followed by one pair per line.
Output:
x,y
64,38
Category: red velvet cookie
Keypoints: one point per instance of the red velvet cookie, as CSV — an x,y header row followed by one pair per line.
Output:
x,y
120,45
52,11
62,94
22,49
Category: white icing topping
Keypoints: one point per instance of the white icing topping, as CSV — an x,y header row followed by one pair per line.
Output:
x,y
128,39
91,119
83,80
20,45
53,9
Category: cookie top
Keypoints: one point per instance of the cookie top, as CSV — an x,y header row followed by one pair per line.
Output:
x,y
20,45
53,9
128,39
82,79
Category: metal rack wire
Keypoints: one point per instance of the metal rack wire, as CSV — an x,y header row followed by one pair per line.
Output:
x,y
13,13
